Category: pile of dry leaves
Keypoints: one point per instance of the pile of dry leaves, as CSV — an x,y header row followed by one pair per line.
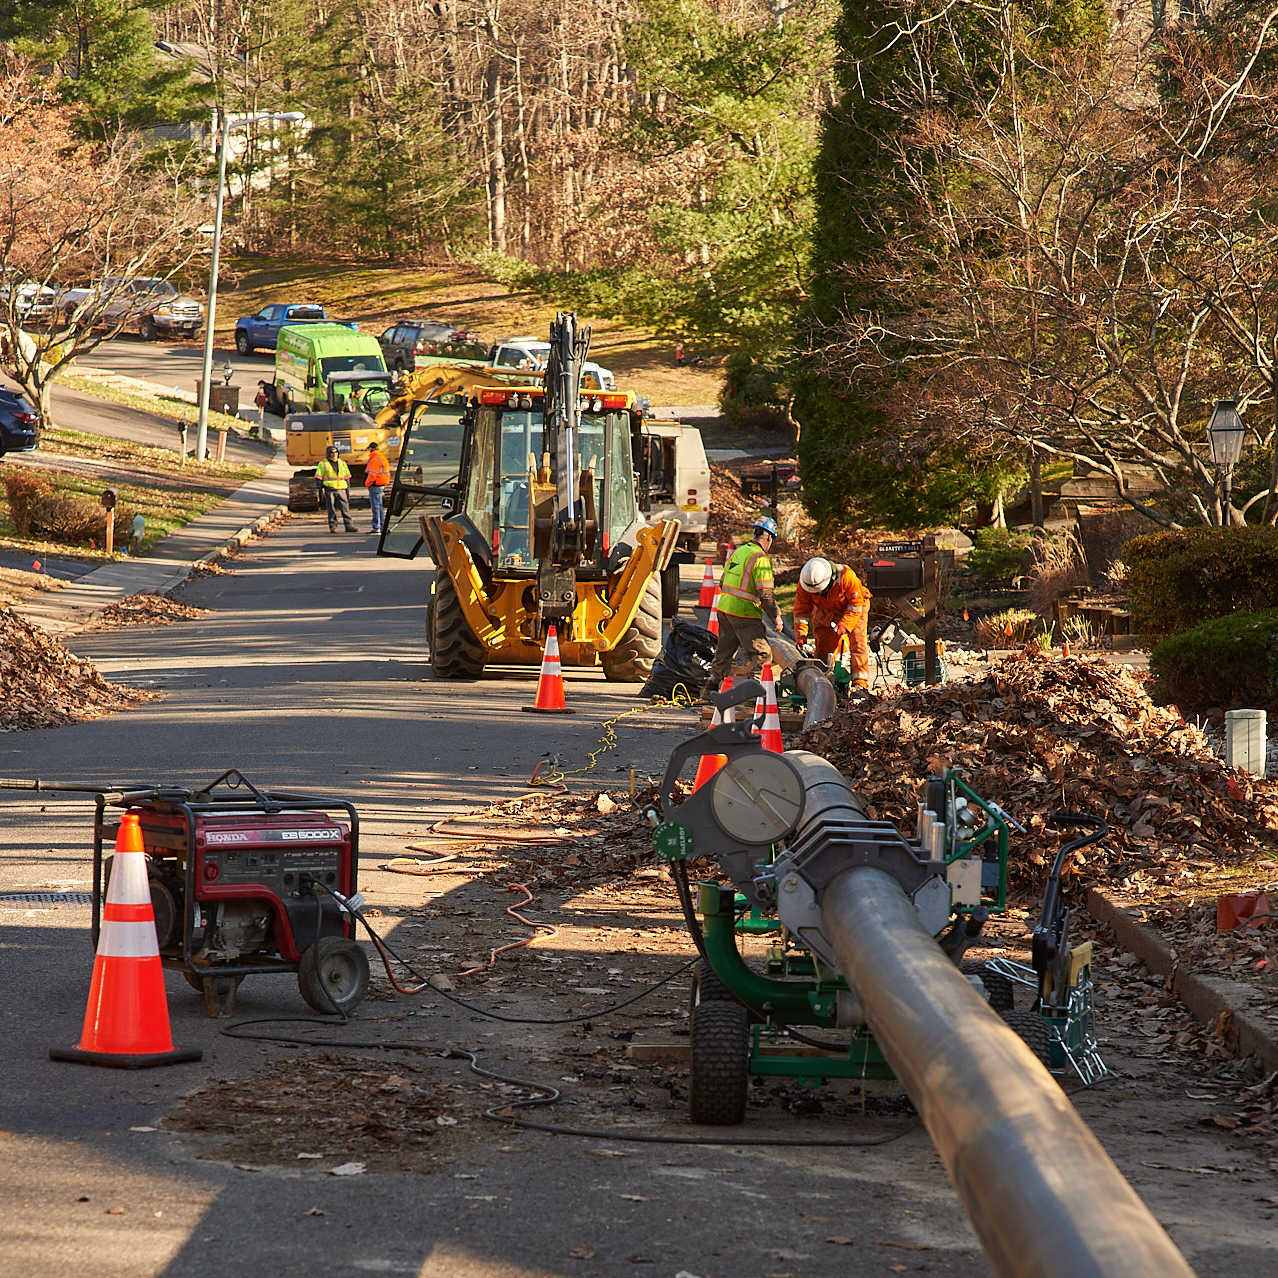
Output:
x,y
1040,734
145,609
43,685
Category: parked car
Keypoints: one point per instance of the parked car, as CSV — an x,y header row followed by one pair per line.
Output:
x,y
148,305
531,354
19,426
404,343
263,329
34,305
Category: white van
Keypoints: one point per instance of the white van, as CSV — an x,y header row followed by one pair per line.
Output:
x,y
674,478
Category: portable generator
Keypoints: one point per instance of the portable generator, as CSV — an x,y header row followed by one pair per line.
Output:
x,y
245,882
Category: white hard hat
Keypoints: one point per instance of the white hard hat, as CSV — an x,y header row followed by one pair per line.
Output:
x,y
816,575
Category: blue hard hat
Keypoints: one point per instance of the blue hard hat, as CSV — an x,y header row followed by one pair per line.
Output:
x,y
765,523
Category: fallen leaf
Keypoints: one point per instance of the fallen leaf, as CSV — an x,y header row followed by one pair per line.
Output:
x,y
348,1169
841,1240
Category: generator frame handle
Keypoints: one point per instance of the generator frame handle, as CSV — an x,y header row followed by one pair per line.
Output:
x,y
272,803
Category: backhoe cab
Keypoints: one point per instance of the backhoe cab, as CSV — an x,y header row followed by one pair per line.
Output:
x,y
524,496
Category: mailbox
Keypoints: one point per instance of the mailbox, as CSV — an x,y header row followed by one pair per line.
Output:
x,y
109,499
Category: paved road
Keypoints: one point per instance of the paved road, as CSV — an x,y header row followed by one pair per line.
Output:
x,y
180,363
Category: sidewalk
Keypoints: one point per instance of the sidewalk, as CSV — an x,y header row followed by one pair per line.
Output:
x,y
169,560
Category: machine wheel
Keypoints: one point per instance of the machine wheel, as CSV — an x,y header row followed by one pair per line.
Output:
x,y
242,343
720,1078
333,975
1032,1029
146,329
708,988
631,660
998,988
455,650
670,590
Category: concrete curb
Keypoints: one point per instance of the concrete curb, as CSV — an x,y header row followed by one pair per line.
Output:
x,y
1206,997
234,542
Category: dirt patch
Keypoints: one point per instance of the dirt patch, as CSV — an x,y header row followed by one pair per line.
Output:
x,y
43,684
145,609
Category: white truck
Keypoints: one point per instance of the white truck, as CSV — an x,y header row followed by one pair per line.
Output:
x,y
529,354
146,305
674,478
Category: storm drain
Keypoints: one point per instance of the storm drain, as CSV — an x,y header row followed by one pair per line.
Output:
x,y
46,898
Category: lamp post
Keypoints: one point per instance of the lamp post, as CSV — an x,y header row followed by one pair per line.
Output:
x,y
292,117
1225,432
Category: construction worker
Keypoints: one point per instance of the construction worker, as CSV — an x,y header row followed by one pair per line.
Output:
x,y
745,597
376,477
334,477
833,607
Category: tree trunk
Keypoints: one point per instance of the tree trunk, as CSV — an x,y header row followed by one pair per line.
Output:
x,y
496,158
1037,516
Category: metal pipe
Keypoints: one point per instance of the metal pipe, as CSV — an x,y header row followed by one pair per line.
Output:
x,y
809,677
1044,1198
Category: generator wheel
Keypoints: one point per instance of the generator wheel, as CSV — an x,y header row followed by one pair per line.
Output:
x,y
998,987
670,590
333,975
631,660
455,649
720,1079
1033,1030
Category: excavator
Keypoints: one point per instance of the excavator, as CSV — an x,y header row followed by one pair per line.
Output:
x,y
522,490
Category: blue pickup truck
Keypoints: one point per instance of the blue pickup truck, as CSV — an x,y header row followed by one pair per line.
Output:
x,y
263,329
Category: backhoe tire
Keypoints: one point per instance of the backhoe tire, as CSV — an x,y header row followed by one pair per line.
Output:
x,y
631,660
670,591
455,649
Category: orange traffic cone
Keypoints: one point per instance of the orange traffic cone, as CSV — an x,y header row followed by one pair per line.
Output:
x,y
770,735
768,679
126,1023
1065,648
550,683
713,624
706,598
711,763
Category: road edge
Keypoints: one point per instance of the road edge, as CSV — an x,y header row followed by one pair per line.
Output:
x,y
1206,997
234,542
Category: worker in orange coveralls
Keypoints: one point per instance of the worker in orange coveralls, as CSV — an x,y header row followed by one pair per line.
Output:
x,y
833,607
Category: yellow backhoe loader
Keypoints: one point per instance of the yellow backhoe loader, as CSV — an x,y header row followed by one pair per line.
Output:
x,y
523,493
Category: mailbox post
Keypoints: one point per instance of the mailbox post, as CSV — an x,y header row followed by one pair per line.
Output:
x,y
108,503
905,571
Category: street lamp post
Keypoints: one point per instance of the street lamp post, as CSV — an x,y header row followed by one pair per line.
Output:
x,y
1225,432
202,428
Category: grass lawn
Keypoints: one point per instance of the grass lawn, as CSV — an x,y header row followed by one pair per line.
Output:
x,y
378,296
165,509
172,408
78,443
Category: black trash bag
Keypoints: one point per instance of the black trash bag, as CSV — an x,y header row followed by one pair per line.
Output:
x,y
684,662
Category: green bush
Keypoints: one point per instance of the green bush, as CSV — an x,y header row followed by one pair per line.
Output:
x,y
1187,575
752,396
999,554
1229,662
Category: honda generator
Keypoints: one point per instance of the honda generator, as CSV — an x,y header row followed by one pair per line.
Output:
x,y
245,882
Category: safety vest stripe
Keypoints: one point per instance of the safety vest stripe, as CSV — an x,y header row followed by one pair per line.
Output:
x,y
750,596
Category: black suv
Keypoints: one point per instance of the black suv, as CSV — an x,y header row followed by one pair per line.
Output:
x,y
403,343
19,429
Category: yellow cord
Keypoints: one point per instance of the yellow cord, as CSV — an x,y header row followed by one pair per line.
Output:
x,y
680,697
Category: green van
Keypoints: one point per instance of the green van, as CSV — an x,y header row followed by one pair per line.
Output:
x,y
307,355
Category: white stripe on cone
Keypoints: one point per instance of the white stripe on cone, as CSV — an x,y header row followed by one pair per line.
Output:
x,y
770,737
127,940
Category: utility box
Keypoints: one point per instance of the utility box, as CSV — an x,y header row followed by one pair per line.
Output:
x,y
1245,742
222,399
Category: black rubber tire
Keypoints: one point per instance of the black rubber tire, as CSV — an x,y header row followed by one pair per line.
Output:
x,y
631,660
708,988
998,988
242,343
455,649
333,975
670,591
1032,1029
720,1081
147,330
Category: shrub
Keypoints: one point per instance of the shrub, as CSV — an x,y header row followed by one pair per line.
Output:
x,y
993,631
24,489
999,554
1187,575
1058,566
752,397
1227,661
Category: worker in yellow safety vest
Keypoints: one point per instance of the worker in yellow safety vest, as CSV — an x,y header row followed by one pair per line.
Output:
x,y
745,597
334,477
